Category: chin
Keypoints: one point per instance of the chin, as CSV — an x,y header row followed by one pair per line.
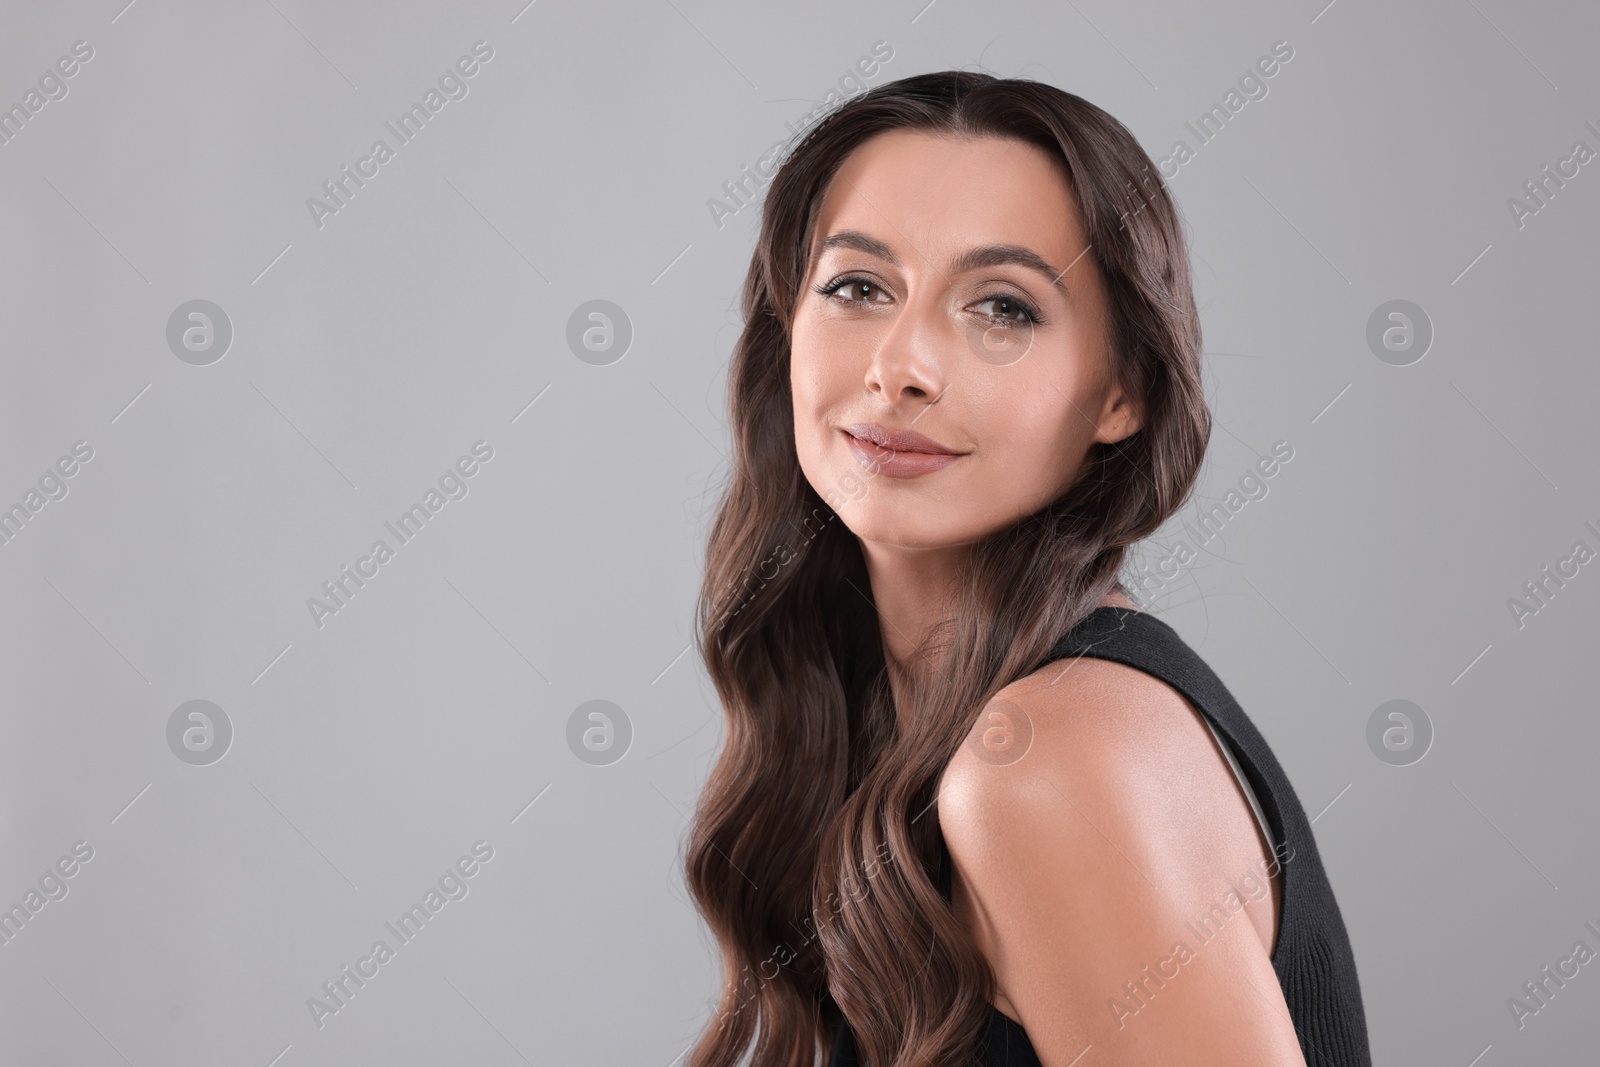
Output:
x,y
917,528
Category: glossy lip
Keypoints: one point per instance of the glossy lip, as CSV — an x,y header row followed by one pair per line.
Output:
x,y
910,455
897,440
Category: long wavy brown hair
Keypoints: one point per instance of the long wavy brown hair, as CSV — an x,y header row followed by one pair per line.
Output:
x,y
813,854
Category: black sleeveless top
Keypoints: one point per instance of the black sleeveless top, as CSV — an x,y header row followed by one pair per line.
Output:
x,y
1312,957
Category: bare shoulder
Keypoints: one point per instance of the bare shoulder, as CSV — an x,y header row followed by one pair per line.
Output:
x,y
1094,826
1108,742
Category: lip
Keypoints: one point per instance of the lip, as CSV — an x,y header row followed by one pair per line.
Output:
x,y
897,453
897,440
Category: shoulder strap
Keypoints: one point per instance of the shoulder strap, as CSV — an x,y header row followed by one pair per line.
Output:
x,y
945,876
1239,776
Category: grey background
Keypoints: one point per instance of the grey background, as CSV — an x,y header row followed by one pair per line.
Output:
x,y
433,710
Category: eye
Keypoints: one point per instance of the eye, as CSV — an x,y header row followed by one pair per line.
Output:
x,y
1013,306
852,286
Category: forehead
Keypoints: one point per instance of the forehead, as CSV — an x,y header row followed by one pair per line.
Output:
x,y
935,194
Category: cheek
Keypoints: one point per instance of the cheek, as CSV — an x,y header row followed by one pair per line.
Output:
x,y
1023,464
820,375
805,364
1037,450
806,394
808,389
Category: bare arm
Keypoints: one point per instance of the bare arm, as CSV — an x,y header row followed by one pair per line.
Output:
x,y
1100,873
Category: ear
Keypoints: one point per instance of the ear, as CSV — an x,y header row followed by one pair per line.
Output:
x,y
1122,416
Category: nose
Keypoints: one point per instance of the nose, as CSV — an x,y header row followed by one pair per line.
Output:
x,y
907,363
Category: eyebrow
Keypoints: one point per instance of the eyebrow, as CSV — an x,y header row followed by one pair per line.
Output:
x,y
971,259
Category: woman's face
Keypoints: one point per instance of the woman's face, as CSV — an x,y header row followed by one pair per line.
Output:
x,y
932,333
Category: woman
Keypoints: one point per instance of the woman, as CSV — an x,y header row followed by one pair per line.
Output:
x,y
974,805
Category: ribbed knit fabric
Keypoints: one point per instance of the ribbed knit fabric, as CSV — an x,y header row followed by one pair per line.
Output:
x,y
1312,958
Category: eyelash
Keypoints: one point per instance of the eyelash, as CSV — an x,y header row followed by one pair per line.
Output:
x,y
1029,312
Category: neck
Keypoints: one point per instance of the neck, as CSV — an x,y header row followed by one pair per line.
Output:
x,y
913,590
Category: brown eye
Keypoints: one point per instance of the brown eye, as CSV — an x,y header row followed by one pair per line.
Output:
x,y
853,288
1011,309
